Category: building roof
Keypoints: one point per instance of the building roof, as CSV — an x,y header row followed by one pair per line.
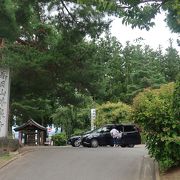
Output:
x,y
30,123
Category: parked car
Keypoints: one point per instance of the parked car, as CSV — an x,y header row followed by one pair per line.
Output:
x,y
75,141
101,136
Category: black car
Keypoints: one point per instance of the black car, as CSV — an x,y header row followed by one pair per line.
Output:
x,y
101,136
75,141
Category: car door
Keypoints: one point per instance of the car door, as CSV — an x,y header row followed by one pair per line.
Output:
x,y
104,136
130,135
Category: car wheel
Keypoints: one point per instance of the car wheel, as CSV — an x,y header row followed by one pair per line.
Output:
x,y
123,145
131,145
76,143
94,143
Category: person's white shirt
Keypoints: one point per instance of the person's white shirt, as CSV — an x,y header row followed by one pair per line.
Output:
x,y
114,133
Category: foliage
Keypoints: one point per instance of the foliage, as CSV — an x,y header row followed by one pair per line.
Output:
x,y
153,112
176,100
140,13
59,139
72,74
116,113
72,117
29,21
37,109
64,117
171,63
78,132
130,69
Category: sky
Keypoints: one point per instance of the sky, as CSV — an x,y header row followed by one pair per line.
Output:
x,y
157,35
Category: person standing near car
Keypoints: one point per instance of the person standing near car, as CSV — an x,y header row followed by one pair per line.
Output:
x,y
114,133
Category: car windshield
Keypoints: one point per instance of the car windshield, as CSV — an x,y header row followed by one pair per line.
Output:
x,y
102,129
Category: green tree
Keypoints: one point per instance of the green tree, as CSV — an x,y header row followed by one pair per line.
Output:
x,y
64,117
130,69
31,21
140,13
171,63
73,118
47,53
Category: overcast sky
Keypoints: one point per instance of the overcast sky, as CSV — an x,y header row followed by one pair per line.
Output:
x,y
158,35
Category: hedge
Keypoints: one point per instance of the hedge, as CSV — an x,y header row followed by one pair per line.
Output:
x,y
154,113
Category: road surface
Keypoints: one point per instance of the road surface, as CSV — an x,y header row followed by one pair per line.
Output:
x,y
68,163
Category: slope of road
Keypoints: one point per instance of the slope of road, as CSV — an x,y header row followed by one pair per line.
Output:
x,y
66,163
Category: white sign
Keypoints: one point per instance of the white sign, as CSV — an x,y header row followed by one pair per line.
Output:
x,y
93,117
4,101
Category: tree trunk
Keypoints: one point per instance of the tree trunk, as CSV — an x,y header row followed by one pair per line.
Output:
x,y
1,46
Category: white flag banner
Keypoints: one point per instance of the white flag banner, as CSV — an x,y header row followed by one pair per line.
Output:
x,y
4,101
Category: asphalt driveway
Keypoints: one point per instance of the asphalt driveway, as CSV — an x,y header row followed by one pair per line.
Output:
x,y
67,163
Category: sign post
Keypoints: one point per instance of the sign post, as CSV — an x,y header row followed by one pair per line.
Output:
x,y
4,101
93,117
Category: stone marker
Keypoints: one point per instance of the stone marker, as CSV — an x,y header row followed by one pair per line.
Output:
x,y
4,101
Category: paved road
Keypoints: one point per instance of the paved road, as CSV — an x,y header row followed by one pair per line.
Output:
x,y
67,163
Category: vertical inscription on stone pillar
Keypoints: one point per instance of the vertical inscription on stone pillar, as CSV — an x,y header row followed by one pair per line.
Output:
x,y
4,101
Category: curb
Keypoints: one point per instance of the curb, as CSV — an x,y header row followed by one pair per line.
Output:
x,y
8,161
149,169
16,156
157,170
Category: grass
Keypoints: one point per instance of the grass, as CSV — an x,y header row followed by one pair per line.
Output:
x,y
5,157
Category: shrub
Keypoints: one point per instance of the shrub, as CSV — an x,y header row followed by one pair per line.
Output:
x,y
78,132
13,145
154,113
113,113
59,139
9,144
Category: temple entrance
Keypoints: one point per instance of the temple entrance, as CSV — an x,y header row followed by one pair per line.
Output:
x,y
32,133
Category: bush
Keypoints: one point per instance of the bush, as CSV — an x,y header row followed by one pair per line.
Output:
x,y
59,139
113,113
78,132
13,145
154,113
9,144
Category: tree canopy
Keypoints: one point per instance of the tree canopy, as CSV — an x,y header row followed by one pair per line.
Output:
x,y
140,13
30,22
56,56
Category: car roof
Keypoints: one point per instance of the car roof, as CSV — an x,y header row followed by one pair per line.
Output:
x,y
118,125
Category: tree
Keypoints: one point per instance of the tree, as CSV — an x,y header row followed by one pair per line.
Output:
x,y
29,22
65,117
74,118
45,52
130,69
171,63
140,13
